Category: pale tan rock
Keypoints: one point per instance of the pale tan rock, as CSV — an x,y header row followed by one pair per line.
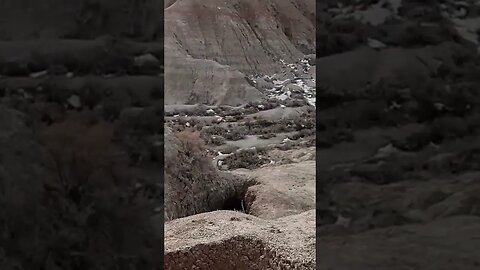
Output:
x,y
233,240
281,190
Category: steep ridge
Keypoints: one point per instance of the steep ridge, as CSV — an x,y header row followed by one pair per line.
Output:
x,y
220,42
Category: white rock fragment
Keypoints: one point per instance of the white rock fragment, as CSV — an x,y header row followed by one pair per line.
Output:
x,y
387,151
210,111
146,59
440,106
394,106
74,101
375,44
38,74
342,221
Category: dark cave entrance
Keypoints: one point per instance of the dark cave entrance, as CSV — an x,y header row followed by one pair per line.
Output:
x,y
234,204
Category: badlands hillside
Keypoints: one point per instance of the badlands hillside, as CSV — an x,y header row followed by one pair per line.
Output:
x,y
239,143
81,126
399,80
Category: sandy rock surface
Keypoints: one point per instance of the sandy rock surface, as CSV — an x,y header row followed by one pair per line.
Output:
x,y
211,240
281,190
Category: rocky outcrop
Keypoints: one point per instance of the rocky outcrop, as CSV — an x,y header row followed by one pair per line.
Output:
x,y
233,240
191,81
282,190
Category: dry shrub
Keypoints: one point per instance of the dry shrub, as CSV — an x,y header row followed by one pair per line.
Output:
x,y
191,140
82,150
215,140
100,224
192,184
247,158
236,134
78,213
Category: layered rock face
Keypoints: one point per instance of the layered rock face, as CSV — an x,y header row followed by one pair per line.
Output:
x,y
212,45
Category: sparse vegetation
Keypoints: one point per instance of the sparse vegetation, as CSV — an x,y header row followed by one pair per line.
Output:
x,y
246,158
86,202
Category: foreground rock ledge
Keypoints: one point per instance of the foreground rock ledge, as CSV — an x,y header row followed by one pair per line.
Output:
x,y
234,240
